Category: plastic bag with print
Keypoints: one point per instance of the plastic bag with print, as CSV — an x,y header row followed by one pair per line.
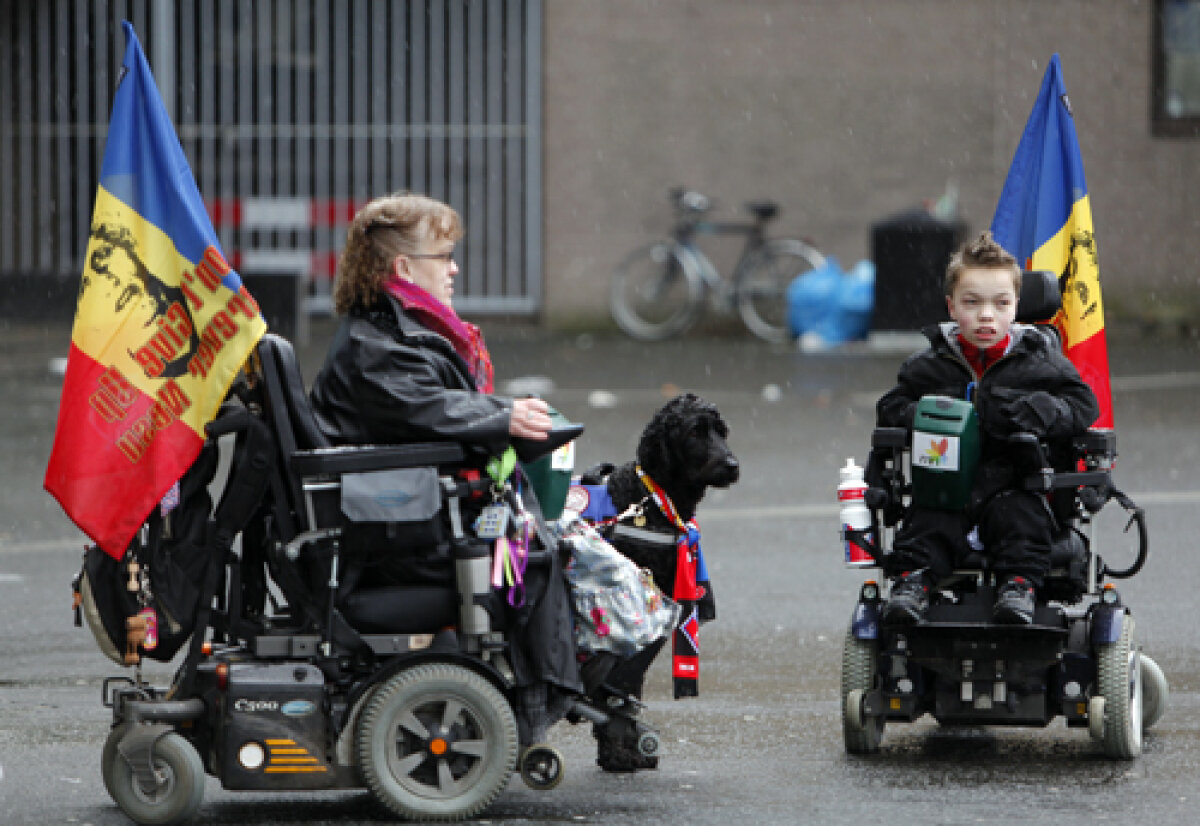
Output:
x,y
617,606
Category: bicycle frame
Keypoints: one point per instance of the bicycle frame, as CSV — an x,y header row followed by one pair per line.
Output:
x,y
685,233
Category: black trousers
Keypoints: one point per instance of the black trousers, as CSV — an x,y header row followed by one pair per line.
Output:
x,y
622,674
1015,526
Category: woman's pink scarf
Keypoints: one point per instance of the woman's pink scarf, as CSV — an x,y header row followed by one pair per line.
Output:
x,y
466,338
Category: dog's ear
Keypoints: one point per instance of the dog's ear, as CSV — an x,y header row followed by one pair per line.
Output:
x,y
654,451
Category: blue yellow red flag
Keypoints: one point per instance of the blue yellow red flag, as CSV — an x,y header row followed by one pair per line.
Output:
x,y
1044,218
162,326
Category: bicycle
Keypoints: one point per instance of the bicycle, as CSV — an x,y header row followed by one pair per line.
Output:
x,y
661,289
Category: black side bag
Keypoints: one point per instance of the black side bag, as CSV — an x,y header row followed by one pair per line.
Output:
x,y
171,563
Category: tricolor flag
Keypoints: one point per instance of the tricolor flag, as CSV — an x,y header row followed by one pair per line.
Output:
x,y
1044,218
162,326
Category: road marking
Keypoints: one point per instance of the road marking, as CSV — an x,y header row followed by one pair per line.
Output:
x,y
815,511
770,512
11,578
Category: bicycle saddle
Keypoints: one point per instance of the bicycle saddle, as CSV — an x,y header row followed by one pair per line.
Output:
x,y
763,210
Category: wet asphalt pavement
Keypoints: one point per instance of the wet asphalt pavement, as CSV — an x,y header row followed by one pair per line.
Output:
x,y
763,742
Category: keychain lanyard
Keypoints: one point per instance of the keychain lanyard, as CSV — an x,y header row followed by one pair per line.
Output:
x,y
510,558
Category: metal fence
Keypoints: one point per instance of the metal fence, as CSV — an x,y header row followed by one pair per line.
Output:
x,y
292,113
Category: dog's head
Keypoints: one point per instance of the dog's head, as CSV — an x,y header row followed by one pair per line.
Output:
x,y
683,448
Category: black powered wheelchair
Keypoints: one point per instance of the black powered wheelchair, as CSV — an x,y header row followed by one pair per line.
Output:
x,y
297,676
1078,658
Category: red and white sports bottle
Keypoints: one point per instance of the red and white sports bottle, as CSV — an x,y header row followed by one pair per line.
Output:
x,y
854,513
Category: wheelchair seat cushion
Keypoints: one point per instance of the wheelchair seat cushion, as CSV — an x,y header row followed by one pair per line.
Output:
x,y
401,609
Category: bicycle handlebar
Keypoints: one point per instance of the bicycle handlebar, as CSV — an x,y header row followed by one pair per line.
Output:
x,y
689,200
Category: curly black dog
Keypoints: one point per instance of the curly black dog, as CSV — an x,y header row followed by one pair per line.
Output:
x,y
683,449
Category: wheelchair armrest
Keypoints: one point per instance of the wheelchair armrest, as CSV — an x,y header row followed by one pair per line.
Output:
x,y
889,438
360,458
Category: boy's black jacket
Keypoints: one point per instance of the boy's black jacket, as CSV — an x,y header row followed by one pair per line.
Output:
x,y
1032,388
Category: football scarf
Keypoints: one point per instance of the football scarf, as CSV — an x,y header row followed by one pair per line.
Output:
x,y
687,591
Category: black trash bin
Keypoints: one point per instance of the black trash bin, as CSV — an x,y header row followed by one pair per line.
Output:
x,y
910,251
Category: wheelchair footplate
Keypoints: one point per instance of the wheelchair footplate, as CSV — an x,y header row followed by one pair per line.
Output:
x,y
973,670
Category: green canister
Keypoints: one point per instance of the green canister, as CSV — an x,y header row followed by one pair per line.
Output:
x,y
945,452
550,475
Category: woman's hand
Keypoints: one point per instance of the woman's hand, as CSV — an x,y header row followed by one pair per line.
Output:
x,y
530,419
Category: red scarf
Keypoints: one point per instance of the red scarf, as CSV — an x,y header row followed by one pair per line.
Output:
x,y
465,338
685,641
982,359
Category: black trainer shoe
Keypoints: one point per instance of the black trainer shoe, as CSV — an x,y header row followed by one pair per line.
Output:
x,y
1014,602
616,747
908,602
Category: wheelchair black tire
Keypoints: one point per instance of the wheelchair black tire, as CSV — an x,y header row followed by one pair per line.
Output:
x,y
859,669
175,757
1119,681
400,757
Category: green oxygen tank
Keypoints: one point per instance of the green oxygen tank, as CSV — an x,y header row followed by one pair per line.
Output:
x,y
945,452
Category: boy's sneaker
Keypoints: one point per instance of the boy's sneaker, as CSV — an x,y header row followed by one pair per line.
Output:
x,y
908,602
1014,602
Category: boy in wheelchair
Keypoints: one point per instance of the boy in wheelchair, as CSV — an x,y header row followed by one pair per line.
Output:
x,y
1019,382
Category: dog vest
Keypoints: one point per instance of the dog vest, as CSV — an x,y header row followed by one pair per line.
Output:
x,y
691,574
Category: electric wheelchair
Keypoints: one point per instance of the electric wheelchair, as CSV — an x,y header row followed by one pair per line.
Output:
x,y
1078,658
302,675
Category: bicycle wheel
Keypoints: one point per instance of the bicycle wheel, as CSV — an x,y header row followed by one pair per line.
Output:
x,y
656,292
762,286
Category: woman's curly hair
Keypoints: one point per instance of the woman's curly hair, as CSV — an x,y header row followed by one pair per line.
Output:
x,y
386,227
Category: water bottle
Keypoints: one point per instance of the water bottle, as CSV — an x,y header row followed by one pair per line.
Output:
x,y
854,514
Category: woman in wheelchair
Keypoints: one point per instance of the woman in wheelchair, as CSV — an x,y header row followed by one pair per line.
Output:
x,y
1019,382
403,366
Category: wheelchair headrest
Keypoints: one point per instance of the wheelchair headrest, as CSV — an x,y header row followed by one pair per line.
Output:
x,y
286,386
1040,297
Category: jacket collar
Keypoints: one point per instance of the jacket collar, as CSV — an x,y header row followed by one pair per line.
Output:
x,y
1025,338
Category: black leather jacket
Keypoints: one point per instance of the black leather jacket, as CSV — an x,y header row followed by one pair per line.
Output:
x,y
389,380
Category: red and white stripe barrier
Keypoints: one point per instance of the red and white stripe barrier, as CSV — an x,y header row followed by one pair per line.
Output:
x,y
284,214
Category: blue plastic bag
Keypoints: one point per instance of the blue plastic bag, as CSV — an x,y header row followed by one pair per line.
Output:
x,y
829,306
812,297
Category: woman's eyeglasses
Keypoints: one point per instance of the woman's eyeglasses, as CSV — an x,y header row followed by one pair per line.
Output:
x,y
444,257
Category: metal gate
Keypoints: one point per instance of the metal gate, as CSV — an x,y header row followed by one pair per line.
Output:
x,y
292,113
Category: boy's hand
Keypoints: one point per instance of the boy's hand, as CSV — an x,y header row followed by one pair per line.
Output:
x,y
1033,413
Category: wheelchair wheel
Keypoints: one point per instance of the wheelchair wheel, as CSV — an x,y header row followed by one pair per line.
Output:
x,y
541,767
1154,692
180,777
1119,678
862,734
656,292
762,288
437,742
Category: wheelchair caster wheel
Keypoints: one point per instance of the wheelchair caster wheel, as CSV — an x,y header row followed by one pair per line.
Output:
x,y
1096,718
541,768
1154,691
648,744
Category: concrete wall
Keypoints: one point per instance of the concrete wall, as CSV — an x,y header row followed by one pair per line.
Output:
x,y
847,111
